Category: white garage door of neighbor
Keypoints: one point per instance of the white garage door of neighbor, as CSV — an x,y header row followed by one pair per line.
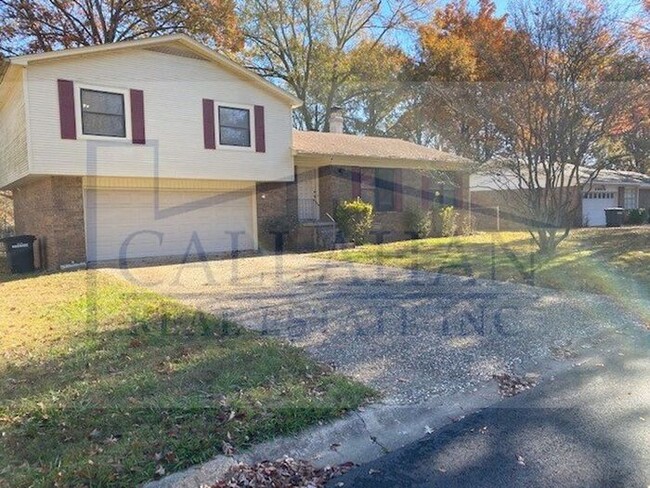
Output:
x,y
594,205
129,224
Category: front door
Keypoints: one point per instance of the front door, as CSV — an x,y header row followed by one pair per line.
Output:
x,y
307,179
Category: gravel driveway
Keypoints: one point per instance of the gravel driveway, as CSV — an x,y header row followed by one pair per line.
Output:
x,y
414,335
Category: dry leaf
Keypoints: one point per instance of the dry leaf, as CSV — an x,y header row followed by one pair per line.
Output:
x,y
227,448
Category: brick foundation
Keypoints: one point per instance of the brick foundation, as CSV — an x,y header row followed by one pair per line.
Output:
x,y
51,208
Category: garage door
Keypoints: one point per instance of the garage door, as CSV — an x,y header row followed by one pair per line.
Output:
x,y
594,204
138,223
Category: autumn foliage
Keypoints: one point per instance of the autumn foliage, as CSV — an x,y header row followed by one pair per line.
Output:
x,y
28,26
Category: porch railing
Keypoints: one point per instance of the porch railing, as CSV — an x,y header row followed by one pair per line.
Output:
x,y
308,210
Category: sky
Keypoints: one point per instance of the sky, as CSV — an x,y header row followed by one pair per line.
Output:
x,y
408,43
502,5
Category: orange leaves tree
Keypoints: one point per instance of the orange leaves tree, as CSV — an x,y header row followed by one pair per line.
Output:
x,y
28,26
540,106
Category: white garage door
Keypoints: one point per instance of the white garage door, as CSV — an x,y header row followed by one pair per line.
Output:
x,y
594,204
134,223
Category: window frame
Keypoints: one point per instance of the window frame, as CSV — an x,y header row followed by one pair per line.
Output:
x,y
377,189
634,192
126,94
251,126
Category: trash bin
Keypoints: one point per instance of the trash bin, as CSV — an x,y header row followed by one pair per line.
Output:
x,y
20,253
614,217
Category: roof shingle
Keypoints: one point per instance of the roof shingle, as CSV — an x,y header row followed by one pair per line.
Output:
x,y
380,148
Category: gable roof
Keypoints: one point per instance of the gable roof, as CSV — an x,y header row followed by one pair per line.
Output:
x,y
505,179
327,144
178,44
622,177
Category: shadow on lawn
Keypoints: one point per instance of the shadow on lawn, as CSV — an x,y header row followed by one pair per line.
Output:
x,y
113,406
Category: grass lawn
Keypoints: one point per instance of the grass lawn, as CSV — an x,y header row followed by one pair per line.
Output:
x,y
614,262
105,384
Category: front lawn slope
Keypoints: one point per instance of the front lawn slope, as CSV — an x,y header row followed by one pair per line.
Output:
x,y
612,262
106,384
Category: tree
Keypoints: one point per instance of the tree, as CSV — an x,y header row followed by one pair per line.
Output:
x,y
552,128
29,26
375,88
316,48
459,46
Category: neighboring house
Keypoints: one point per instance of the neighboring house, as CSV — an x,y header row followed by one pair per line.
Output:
x,y
495,194
163,147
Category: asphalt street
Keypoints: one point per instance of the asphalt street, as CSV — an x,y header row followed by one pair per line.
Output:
x,y
588,427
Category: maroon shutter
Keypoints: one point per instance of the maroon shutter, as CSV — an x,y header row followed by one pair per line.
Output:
x,y
459,191
66,109
397,194
425,195
137,117
356,183
209,140
260,137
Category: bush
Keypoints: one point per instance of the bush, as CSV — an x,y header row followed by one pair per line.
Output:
x,y
448,218
467,224
418,221
636,216
354,218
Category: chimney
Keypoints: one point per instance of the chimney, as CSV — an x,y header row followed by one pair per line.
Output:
x,y
336,120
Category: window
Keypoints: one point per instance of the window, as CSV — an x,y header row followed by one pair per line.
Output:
x,y
102,113
384,190
445,195
234,127
630,198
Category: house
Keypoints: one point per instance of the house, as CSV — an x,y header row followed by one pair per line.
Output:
x,y
496,205
163,147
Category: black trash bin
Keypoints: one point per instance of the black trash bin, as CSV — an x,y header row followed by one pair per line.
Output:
x,y
20,253
614,217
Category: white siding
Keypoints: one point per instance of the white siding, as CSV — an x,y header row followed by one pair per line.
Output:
x,y
13,135
173,88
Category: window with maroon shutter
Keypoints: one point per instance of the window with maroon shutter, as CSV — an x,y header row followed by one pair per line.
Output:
x,y
102,113
234,126
385,200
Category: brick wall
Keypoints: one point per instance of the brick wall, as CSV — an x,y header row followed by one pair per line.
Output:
x,y
274,199
51,208
336,185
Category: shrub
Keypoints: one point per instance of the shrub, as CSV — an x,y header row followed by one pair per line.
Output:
x,y
354,218
636,216
448,218
467,224
418,221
